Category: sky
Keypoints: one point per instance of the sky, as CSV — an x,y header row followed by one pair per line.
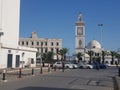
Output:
x,y
57,18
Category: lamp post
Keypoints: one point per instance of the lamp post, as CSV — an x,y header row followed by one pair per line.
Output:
x,y
1,33
23,59
100,25
41,71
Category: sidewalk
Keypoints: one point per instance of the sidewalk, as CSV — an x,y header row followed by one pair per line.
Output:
x,y
13,74
117,82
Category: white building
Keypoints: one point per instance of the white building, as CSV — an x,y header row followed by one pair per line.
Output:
x,y
11,54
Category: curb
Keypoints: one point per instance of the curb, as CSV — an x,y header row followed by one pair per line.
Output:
x,y
117,79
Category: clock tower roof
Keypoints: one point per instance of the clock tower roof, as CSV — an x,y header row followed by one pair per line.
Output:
x,y
80,22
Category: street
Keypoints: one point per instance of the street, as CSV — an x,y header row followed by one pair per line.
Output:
x,y
75,79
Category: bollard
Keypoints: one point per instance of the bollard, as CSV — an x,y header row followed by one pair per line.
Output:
x,y
20,72
32,71
119,71
41,71
55,68
49,68
4,75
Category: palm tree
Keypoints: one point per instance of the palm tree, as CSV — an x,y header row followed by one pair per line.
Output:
x,y
104,53
63,53
90,53
118,57
113,53
79,56
49,56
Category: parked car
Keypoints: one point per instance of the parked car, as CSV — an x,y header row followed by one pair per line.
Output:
x,y
74,66
99,66
84,65
68,65
57,65
60,65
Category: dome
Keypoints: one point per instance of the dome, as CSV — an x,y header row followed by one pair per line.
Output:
x,y
93,44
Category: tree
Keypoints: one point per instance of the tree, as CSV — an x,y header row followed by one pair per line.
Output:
x,y
49,57
79,56
90,53
63,53
118,57
113,54
104,53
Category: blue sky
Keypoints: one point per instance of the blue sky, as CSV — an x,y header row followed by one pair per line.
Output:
x,y
57,18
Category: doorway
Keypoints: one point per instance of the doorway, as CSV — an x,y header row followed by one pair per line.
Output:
x,y
17,60
9,61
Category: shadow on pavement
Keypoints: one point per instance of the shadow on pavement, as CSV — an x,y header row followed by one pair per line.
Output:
x,y
45,88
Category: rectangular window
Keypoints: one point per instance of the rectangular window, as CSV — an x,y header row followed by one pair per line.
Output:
x,y
41,43
46,50
26,43
57,50
32,43
32,61
57,44
52,49
46,43
37,43
51,43
22,42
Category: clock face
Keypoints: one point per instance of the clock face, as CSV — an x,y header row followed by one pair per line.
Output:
x,y
79,30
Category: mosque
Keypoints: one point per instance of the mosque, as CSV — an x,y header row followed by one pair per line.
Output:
x,y
93,46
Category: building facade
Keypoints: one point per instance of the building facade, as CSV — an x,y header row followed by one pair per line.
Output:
x,y
11,54
43,45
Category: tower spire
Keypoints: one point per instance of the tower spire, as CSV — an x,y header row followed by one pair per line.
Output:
x,y
80,17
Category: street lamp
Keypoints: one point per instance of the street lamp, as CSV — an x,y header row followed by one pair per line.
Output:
x,y
1,33
23,59
100,25
41,71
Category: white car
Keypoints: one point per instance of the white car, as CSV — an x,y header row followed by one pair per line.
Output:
x,y
60,65
57,65
74,66
85,65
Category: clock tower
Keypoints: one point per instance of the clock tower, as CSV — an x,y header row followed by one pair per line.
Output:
x,y
79,35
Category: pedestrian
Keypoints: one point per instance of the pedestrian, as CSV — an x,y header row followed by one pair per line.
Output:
x,y
63,66
116,63
97,66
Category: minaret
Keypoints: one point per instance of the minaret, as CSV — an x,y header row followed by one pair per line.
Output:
x,y
79,35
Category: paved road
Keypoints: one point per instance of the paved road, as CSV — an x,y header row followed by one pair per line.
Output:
x,y
77,79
